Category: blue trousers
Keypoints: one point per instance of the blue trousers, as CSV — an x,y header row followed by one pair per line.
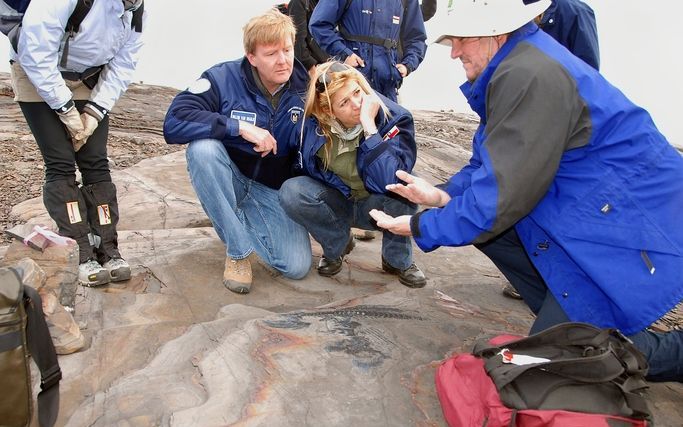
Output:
x,y
246,214
328,215
663,351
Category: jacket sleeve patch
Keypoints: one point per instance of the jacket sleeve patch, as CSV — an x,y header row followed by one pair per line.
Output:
x,y
392,133
199,86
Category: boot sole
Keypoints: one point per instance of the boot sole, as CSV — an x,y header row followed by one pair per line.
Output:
x,y
236,287
119,275
101,278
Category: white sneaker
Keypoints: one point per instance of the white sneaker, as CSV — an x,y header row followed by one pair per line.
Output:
x,y
91,273
118,269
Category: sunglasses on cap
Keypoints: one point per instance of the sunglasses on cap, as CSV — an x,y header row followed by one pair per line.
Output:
x,y
326,78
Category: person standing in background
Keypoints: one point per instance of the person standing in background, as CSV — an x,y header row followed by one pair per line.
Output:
x,y
66,82
369,39
306,49
572,24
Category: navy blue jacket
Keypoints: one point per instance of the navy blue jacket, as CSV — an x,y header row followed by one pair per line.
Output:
x,y
226,93
572,24
384,19
378,157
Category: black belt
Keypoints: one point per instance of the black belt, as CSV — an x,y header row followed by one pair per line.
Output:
x,y
386,43
87,74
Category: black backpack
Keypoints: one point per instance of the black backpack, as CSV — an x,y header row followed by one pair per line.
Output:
x,y
24,333
575,367
12,12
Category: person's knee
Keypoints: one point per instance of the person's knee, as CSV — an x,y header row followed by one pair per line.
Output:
x,y
290,194
204,151
395,206
299,266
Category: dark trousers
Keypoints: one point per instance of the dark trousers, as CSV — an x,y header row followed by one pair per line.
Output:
x,y
664,351
76,216
57,151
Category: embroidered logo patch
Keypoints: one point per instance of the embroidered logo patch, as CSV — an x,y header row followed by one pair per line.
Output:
x,y
104,214
392,133
396,19
244,116
295,113
199,86
73,212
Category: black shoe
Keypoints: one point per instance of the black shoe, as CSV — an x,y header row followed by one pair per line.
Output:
x,y
329,267
412,276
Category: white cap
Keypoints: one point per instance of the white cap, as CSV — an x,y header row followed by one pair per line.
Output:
x,y
483,18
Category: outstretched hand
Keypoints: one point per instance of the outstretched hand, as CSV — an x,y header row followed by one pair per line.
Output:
x,y
418,190
399,225
263,141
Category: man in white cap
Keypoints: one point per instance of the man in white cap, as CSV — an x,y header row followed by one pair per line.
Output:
x,y
571,190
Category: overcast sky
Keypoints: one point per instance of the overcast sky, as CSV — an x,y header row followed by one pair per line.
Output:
x,y
639,46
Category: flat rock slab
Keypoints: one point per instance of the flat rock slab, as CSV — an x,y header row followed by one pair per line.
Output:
x,y
173,347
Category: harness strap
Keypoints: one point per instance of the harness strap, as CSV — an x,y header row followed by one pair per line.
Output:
x,y
386,43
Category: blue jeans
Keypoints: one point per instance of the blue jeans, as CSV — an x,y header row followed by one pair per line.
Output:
x,y
328,215
663,351
245,213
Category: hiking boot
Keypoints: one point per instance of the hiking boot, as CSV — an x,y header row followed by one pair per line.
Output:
x,y
118,269
329,267
411,277
237,275
91,273
510,292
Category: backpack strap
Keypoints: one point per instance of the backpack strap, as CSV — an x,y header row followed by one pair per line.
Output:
x,y
73,25
78,15
136,22
43,352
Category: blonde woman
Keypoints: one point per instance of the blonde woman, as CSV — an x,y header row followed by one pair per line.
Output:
x,y
352,143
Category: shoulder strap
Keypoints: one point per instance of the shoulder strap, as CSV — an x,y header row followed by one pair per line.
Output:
x,y
43,352
136,22
78,15
346,6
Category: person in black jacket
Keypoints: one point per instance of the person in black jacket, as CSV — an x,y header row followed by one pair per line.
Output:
x,y
306,49
428,9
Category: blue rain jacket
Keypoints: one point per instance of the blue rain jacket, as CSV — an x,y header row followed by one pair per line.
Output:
x,y
591,186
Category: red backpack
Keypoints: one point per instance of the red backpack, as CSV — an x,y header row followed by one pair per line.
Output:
x,y
571,375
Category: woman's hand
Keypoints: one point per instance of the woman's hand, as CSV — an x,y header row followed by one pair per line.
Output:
x,y
368,111
417,190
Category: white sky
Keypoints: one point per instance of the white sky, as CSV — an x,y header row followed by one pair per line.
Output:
x,y
638,45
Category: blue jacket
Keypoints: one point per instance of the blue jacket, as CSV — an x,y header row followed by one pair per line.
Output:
x,y
226,93
383,19
572,24
591,186
377,159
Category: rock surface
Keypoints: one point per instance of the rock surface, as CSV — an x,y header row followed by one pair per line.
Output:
x,y
172,346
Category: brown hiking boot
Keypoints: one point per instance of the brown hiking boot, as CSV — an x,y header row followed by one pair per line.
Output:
x,y
237,275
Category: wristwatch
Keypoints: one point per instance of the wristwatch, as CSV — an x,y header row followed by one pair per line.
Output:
x,y
368,134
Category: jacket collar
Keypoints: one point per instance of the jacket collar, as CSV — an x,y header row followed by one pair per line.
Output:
x,y
475,92
298,81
